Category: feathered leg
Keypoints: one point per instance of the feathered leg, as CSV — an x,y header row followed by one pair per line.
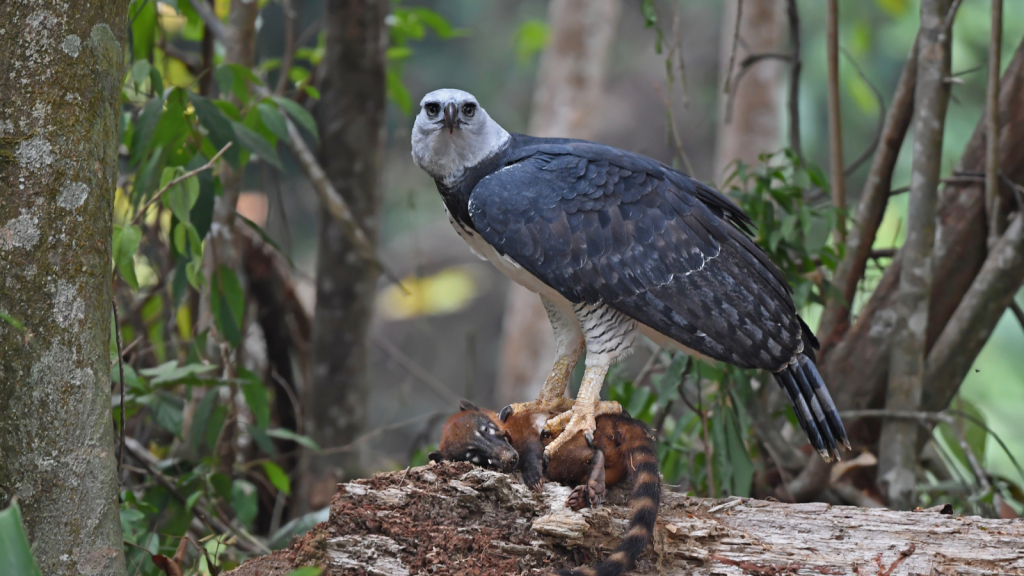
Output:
x,y
609,336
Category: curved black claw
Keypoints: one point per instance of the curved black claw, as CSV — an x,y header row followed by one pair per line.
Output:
x,y
589,437
505,413
545,434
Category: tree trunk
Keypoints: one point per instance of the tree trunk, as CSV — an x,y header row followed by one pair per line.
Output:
x,y
60,80
351,117
457,519
569,86
897,459
753,126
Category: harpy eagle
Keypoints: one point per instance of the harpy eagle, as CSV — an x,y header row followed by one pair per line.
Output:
x,y
617,244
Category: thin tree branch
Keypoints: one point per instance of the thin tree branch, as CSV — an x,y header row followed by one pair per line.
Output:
x,y
291,16
732,53
1017,311
246,541
923,418
871,208
120,369
992,199
141,213
837,181
745,67
420,373
794,80
870,150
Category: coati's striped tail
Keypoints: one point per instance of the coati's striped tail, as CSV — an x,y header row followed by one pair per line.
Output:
x,y
814,408
644,503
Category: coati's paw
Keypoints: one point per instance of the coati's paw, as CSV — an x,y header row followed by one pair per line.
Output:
x,y
589,495
533,478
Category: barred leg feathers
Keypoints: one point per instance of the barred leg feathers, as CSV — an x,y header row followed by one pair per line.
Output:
x,y
813,406
644,502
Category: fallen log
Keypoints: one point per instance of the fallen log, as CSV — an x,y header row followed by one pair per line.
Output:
x,y
454,518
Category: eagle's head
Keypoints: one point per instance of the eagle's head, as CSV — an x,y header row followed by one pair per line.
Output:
x,y
452,133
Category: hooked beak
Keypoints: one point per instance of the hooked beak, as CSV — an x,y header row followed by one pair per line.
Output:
x,y
451,117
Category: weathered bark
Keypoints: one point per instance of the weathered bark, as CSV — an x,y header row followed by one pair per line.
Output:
x,y
897,459
569,85
754,124
60,91
350,119
456,519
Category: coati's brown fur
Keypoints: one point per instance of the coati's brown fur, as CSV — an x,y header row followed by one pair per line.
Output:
x,y
623,448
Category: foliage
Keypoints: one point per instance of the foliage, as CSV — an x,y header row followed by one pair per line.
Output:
x,y
410,24
219,464
14,547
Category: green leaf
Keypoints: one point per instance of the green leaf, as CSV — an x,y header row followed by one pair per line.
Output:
x,y
218,127
140,72
14,548
257,144
300,115
312,92
244,501
273,120
12,321
225,78
190,502
201,418
228,304
145,126
180,236
170,372
213,427
257,398
397,92
286,434
125,244
264,442
277,477
531,38
143,17
181,197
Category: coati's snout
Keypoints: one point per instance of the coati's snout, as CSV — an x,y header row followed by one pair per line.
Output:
x,y
472,435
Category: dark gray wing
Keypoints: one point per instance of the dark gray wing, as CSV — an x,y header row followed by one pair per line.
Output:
x,y
603,225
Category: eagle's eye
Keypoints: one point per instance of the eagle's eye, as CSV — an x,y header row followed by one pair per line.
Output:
x,y
468,109
432,108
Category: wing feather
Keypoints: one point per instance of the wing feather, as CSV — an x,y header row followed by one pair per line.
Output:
x,y
602,225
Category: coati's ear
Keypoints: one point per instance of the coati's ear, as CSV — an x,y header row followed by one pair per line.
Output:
x,y
505,413
435,456
467,405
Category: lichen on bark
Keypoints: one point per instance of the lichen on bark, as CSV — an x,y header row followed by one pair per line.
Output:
x,y
60,79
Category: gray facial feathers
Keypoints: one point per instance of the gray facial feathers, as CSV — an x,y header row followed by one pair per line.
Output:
x,y
453,132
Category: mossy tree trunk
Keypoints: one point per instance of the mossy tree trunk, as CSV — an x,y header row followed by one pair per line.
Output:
x,y
60,87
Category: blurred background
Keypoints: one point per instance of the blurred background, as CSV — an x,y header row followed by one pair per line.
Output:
x,y
654,82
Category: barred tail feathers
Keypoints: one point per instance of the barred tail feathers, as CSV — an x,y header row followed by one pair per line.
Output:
x,y
644,502
814,408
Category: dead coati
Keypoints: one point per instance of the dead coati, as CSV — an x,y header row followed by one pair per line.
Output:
x,y
623,448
